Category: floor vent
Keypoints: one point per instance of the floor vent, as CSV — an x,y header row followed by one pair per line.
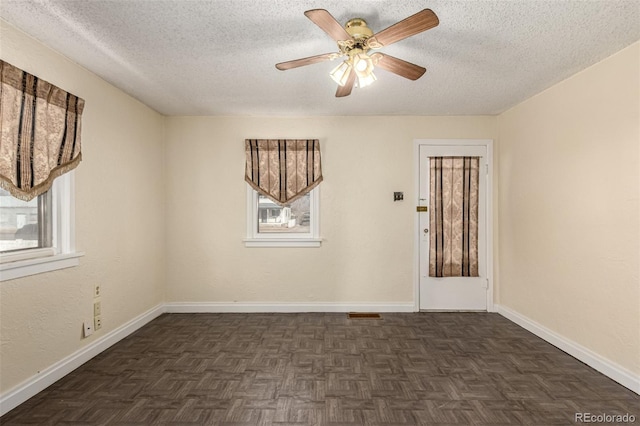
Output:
x,y
363,315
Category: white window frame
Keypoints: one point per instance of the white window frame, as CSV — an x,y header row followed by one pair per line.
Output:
x,y
283,239
62,254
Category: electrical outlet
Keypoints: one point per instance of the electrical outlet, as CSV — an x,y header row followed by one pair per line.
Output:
x,y
97,309
87,329
96,290
97,323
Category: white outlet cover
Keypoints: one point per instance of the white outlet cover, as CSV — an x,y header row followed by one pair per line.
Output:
x,y
88,328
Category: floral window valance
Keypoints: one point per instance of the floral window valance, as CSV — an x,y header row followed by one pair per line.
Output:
x,y
41,126
283,169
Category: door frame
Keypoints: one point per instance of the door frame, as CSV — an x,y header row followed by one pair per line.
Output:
x,y
488,143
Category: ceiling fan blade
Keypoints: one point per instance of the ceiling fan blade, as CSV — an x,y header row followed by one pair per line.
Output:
x,y
282,66
414,24
328,23
398,66
348,86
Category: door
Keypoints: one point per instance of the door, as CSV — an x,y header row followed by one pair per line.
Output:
x,y
452,293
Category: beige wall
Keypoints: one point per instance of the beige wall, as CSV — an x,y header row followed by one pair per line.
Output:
x,y
367,253
568,208
119,219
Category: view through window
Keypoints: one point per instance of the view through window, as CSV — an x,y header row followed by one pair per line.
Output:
x,y
290,218
24,224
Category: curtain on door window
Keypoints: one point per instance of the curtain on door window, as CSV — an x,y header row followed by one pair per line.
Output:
x,y
453,219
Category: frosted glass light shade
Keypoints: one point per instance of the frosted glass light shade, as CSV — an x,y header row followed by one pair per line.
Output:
x,y
363,64
340,74
365,80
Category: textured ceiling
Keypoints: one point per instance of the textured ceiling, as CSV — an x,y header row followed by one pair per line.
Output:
x,y
217,57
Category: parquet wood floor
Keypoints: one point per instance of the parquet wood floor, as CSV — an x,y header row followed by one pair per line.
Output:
x,y
325,369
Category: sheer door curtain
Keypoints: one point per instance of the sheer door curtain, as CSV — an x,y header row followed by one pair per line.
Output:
x,y
453,219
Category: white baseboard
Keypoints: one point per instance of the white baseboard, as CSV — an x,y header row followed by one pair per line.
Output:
x,y
231,307
48,376
607,367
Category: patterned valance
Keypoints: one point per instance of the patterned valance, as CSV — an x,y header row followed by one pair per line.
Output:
x,y
283,169
40,126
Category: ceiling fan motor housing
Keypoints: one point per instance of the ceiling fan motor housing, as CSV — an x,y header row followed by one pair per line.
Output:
x,y
358,29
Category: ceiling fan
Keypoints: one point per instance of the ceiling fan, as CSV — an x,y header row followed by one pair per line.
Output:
x,y
356,40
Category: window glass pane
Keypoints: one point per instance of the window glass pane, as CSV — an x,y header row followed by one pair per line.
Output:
x,y
291,218
19,223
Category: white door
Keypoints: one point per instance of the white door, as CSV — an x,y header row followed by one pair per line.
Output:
x,y
452,293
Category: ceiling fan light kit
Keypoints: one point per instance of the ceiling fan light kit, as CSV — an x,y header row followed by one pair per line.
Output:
x,y
360,63
356,40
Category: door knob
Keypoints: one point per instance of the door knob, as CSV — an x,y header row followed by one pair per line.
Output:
x,y
426,230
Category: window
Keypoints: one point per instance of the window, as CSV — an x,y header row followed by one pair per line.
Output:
x,y
293,225
24,224
37,236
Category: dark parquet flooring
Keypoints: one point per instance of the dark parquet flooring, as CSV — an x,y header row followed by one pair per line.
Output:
x,y
325,369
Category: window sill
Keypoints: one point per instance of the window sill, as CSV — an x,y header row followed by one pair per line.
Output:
x,y
282,242
24,268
